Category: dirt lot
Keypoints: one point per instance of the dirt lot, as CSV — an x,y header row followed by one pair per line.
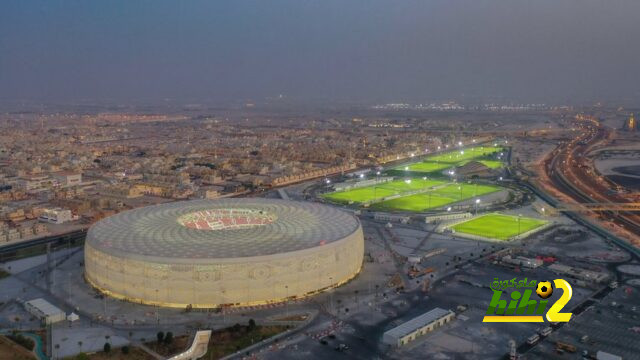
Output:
x,y
12,351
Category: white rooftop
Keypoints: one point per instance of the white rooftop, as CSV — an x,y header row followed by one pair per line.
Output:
x,y
417,322
44,307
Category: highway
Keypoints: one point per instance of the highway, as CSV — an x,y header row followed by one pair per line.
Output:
x,y
571,172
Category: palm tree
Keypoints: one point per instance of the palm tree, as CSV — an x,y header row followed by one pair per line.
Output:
x,y
356,293
80,346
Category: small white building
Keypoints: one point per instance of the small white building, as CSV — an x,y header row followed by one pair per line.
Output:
x,y
423,324
56,216
45,311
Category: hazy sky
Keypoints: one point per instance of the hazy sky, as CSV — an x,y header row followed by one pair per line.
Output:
x,y
344,50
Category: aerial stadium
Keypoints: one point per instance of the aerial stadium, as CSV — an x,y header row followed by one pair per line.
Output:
x,y
220,253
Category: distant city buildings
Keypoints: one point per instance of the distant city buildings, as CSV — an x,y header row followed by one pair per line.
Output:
x,y
631,124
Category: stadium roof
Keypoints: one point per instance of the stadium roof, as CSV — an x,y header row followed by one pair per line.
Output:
x,y
199,229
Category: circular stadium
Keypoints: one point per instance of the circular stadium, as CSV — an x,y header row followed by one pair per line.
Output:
x,y
227,252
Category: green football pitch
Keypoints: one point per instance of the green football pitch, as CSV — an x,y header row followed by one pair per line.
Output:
x,y
454,158
368,193
439,197
498,226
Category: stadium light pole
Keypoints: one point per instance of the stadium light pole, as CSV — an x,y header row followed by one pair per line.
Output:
x,y
286,300
375,186
519,216
477,204
331,295
157,308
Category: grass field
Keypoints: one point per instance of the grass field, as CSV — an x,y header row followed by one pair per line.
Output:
x,y
498,226
442,196
368,193
437,163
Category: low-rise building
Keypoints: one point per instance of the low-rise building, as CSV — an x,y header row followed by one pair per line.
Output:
x,y
56,216
45,311
421,325
392,218
522,261
67,178
544,209
448,216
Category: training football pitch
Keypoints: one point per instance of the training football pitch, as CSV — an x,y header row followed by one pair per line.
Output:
x,y
498,226
454,158
439,197
378,191
440,194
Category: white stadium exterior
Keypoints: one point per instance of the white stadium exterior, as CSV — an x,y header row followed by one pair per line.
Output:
x,y
227,252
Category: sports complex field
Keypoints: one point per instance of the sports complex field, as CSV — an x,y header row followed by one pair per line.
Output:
x,y
498,226
440,194
453,158
368,193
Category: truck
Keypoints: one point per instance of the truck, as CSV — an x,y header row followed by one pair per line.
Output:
x,y
546,331
533,339
565,347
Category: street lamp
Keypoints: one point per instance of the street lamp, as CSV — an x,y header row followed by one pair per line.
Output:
x,y
477,204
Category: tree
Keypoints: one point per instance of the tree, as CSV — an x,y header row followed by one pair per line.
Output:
x,y
106,347
168,338
252,324
82,356
125,350
160,336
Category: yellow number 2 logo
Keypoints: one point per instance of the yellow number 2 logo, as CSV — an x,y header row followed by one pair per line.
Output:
x,y
554,314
